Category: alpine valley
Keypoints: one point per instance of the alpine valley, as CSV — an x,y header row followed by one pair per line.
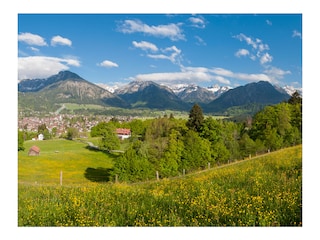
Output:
x,y
48,95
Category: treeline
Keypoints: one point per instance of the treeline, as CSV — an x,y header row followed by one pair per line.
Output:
x,y
172,146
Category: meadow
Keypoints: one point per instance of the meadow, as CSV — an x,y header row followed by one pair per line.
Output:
x,y
262,191
79,164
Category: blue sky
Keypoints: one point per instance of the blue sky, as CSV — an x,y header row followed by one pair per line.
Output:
x,y
205,49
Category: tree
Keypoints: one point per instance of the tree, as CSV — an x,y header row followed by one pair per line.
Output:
x,y
247,145
212,130
196,152
72,133
20,141
195,118
109,139
96,131
170,162
295,98
54,131
133,165
44,130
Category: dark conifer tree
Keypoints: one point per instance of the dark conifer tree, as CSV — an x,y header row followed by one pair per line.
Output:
x,y
295,98
196,118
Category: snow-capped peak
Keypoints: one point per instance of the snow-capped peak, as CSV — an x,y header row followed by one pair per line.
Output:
x,y
290,90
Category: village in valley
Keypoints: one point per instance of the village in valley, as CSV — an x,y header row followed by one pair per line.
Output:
x,y
58,125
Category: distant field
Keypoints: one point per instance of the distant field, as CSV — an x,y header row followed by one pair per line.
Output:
x,y
138,112
75,106
71,157
262,191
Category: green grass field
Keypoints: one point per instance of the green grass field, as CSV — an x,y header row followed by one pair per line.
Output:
x,y
263,191
73,158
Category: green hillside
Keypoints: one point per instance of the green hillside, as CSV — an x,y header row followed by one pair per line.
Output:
x,y
262,191
73,158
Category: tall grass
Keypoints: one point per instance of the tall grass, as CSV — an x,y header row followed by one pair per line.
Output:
x,y
265,191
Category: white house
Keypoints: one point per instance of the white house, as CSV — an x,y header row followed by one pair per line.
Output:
x,y
123,133
40,137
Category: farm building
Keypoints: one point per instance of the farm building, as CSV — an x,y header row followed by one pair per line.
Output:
x,y
34,151
123,133
40,137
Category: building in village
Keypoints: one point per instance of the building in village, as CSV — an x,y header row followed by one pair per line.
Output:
x,y
123,133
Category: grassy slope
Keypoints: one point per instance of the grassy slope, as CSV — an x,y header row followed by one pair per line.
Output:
x,y
70,157
265,191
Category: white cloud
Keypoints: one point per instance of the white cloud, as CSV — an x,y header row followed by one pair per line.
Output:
x,y
172,31
248,40
223,72
175,77
197,22
108,64
265,58
186,75
43,67
258,49
276,74
158,56
295,33
242,76
58,40
172,54
32,39
242,52
196,75
34,49
263,47
145,46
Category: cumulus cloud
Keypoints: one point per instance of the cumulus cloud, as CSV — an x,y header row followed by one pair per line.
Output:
x,y
43,67
258,49
108,64
32,39
242,52
172,54
265,58
197,22
171,31
145,46
58,40
248,40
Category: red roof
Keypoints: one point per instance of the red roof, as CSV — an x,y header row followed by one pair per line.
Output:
x,y
35,149
123,131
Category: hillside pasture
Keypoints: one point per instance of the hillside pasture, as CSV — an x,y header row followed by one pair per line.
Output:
x,y
78,163
262,191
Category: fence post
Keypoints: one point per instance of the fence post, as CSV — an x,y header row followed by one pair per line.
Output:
x,y
60,178
184,172
157,174
116,178
208,165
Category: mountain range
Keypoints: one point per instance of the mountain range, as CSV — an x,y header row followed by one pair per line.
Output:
x,y
68,87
